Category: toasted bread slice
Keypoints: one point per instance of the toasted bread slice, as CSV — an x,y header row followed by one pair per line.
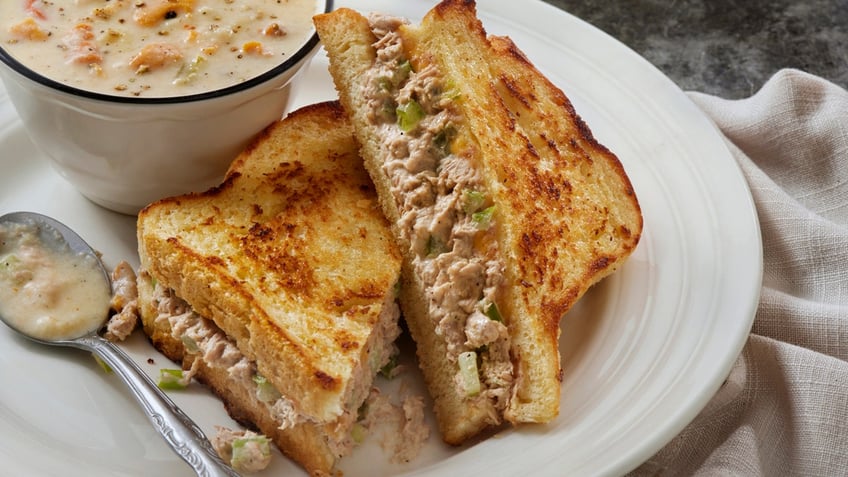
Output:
x,y
292,259
304,442
564,212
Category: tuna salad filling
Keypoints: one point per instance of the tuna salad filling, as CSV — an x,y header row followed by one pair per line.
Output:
x,y
202,338
446,213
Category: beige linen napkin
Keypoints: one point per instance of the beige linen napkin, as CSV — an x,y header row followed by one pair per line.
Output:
x,y
783,410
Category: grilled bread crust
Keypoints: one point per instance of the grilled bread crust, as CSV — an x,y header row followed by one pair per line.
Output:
x,y
348,39
566,211
290,256
304,443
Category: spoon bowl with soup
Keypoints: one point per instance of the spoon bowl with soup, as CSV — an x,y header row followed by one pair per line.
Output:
x,y
135,101
55,290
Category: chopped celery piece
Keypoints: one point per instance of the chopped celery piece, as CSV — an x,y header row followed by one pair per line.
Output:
x,y
483,219
434,247
358,433
387,371
451,92
265,391
189,344
403,71
468,373
375,359
188,71
8,262
251,453
389,83
9,266
493,313
385,83
105,367
409,115
171,379
472,201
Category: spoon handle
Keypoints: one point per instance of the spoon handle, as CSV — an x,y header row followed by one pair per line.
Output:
x,y
181,433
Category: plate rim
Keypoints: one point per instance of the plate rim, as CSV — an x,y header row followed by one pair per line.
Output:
x,y
658,440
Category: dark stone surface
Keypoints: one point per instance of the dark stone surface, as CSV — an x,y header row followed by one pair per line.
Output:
x,y
725,47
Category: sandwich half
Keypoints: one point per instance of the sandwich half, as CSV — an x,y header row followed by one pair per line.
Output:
x,y
505,207
277,288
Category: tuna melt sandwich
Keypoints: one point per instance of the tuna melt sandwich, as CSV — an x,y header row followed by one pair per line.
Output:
x,y
277,288
505,207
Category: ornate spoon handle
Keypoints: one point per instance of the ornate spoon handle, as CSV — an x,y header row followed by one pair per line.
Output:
x,y
181,433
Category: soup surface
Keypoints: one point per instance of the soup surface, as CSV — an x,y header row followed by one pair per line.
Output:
x,y
47,290
154,48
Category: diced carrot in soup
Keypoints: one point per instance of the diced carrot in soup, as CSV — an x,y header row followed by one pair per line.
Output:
x,y
155,56
152,12
253,48
28,29
34,8
80,45
274,29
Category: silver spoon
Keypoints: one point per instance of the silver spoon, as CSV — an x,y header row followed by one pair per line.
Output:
x,y
181,433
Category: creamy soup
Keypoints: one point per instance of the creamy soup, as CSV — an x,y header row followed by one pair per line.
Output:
x,y
47,290
154,48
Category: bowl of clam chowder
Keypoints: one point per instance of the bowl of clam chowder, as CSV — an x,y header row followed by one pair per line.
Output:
x,y
135,100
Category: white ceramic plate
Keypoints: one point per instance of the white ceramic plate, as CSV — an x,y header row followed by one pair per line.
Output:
x,y
643,351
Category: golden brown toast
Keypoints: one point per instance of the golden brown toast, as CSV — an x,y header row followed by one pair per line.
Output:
x,y
564,212
305,443
290,257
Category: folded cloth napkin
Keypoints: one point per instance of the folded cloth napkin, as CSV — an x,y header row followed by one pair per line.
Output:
x,y
783,410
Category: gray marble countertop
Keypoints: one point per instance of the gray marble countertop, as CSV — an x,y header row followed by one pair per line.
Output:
x,y
727,48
